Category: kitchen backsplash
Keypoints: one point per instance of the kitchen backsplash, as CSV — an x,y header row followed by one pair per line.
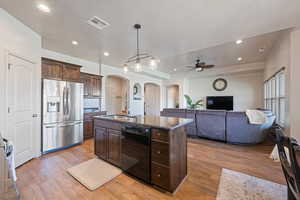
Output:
x,y
92,103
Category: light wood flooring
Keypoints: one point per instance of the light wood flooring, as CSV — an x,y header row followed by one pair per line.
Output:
x,y
46,177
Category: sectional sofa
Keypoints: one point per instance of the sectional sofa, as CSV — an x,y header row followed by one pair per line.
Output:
x,y
227,126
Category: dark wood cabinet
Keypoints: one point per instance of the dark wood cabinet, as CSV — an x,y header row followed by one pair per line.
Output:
x,y
114,146
92,85
96,86
71,73
86,82
88,129
101,137
168,159
56,70
112,141
52,70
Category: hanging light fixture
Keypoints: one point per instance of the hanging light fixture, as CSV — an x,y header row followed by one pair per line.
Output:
x,y
137,61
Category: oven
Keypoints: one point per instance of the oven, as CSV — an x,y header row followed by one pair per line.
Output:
x,y
135,157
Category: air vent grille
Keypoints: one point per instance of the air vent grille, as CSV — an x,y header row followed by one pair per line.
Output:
x,y
98,23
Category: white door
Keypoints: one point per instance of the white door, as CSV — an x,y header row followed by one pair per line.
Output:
x,y
152,99
21,102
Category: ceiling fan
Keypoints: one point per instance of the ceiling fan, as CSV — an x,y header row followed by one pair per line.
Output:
x,y
199,66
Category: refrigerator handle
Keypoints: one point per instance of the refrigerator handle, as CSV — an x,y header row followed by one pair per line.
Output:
x,y
64,100
68,101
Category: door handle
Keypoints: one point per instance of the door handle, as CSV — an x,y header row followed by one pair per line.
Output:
x,y
66,125
35,115
67,101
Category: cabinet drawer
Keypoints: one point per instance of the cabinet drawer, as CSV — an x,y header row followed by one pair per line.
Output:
x,y
160,153
160,135
160,176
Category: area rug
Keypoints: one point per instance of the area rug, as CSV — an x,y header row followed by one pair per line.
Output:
x,y
94,173
239,186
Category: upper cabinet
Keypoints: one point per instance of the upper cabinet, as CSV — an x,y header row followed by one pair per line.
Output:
x,y
92,85
52,70
56,70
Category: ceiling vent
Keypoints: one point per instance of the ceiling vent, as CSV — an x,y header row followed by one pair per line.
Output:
x,y
98,23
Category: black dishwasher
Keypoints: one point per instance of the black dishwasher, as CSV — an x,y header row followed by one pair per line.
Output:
x,y
135,156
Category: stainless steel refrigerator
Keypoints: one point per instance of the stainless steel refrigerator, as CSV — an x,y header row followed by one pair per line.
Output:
x,y
62,114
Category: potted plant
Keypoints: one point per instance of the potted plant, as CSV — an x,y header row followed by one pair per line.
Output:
x,y
192,105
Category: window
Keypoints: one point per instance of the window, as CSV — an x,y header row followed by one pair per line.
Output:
x,y
275,97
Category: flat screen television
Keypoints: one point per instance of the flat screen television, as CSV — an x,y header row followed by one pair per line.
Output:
x,y
219,102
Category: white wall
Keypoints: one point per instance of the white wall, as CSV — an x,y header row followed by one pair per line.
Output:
x,y
295,85
20,40
246,89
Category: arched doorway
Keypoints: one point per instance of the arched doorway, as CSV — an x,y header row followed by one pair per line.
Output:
x,y
152,99
173,96
117,95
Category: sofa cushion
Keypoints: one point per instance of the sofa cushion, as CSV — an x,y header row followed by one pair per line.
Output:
x,y
211,124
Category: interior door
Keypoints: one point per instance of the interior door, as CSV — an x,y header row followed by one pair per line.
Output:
x,y
152,99
21,92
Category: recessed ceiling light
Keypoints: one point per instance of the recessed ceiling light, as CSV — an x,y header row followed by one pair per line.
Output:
x,y
239,41
175,70
43,8
74,42
240,59
106,54
261,50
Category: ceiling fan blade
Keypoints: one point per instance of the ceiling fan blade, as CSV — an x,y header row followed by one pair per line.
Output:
x,y
190,67
208,66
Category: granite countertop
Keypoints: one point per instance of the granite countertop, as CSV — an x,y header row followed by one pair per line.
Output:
x,y
150,121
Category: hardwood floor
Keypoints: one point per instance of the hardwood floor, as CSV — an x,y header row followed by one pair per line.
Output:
x,y
46,177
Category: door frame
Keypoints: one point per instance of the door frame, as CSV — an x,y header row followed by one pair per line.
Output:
x,y
37,108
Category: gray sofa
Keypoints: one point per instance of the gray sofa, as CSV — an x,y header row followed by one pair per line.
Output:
x,y
211,124
228,126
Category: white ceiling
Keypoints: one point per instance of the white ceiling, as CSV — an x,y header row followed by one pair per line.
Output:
x,y
225,55
170,27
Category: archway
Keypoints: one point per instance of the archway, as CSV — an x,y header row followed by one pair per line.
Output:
x,y
152,99
173,96
117,95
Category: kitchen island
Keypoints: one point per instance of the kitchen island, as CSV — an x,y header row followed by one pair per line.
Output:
x,y
150,148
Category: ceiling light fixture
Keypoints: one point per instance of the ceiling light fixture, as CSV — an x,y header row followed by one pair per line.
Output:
x,y
74,42
240,59
125,69
261,50
175,70
136,60
106,53
239,41
44,8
